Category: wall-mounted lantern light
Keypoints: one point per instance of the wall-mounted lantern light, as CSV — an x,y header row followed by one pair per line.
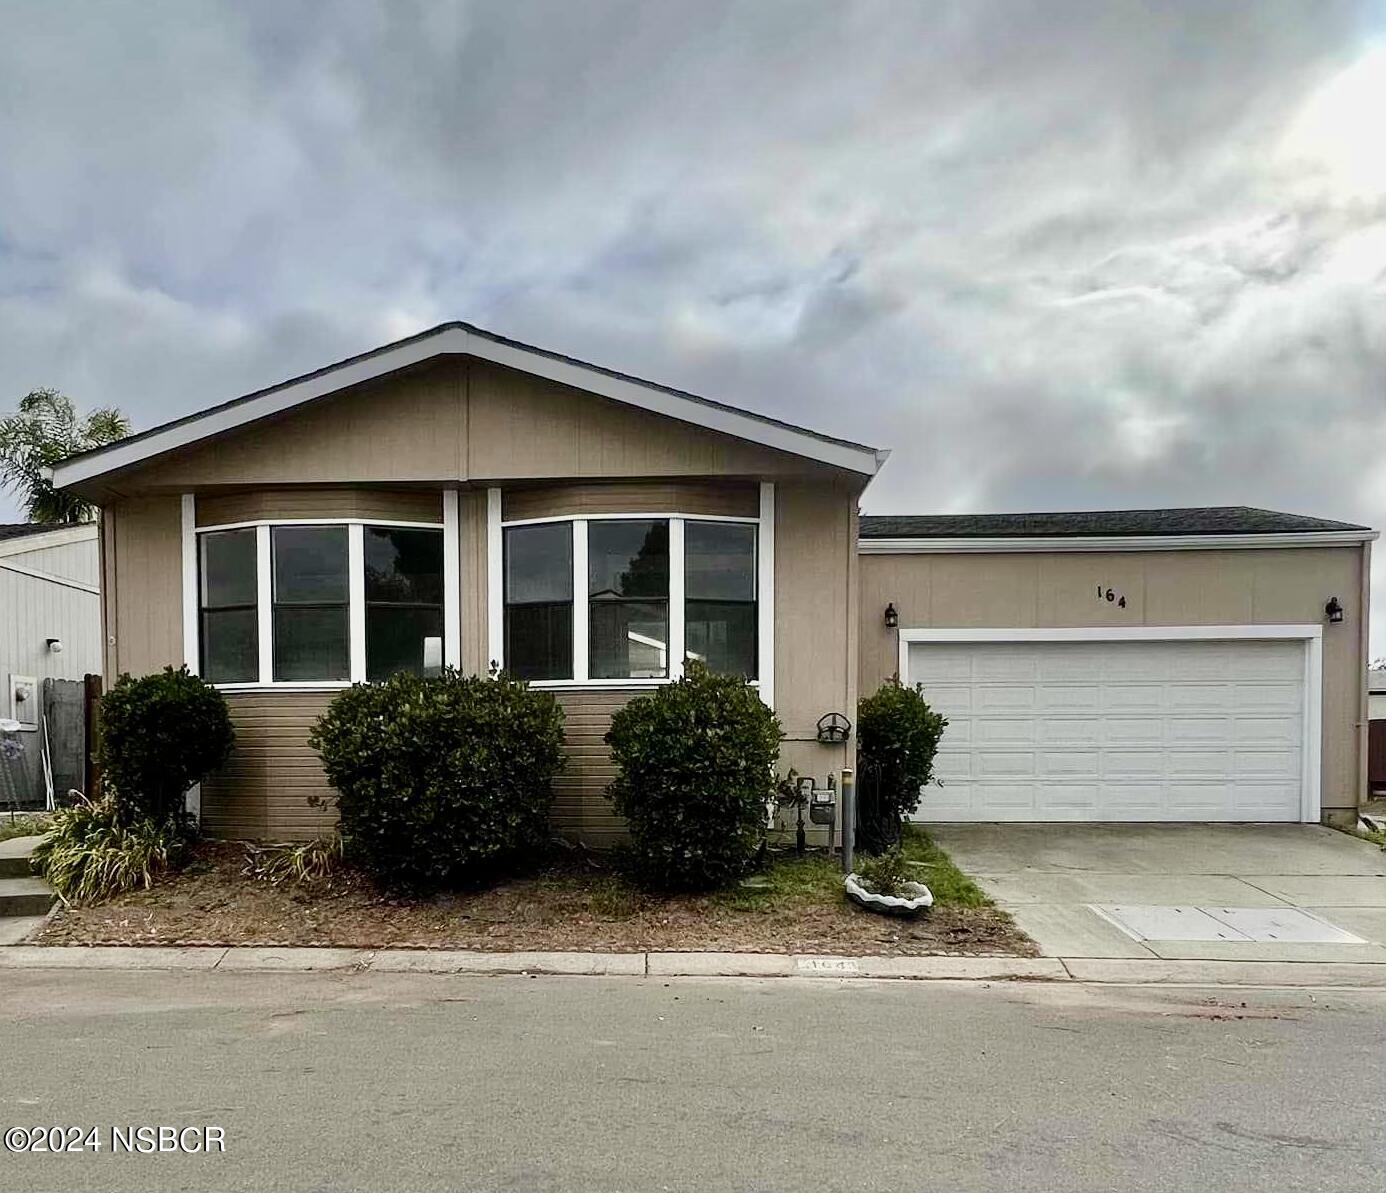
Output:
x,y
1334,610
55,645
892,618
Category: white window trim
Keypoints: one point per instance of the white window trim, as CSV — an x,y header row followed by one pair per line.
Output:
x,y
1311,636
496,525
192,603
356,593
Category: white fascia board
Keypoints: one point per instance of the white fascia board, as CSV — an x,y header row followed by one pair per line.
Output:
x,y
1158,633
1173,542
459,341
79,532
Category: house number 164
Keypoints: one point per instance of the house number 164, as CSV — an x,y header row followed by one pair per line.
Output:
x,y
1108,594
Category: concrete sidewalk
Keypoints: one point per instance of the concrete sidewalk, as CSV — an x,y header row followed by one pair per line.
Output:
x,y
1083,970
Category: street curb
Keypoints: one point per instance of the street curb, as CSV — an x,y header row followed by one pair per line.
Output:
x,y
1072,970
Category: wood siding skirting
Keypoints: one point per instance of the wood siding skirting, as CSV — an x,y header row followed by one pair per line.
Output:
x,y
263,792
580,806
254,505
725,499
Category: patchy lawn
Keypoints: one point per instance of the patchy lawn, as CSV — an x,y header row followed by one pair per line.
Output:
x,y
578,902
24,824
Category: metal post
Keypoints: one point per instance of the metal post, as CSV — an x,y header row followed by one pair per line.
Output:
x,y
849,819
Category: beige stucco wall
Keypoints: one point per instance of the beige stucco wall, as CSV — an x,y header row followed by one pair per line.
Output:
x,y
389,450
1273,586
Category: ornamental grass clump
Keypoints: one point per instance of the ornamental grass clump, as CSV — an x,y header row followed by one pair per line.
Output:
x,y
695,774
92,852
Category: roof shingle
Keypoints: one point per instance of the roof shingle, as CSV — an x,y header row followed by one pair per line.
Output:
x,y
1223,519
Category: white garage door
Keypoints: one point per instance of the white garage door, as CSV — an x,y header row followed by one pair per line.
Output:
x,y
1132,730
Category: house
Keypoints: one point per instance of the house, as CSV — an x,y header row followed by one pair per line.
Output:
x,y
50,629
465,499
1376,740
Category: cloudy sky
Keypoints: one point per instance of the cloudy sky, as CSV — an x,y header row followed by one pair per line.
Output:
x,y
1055,255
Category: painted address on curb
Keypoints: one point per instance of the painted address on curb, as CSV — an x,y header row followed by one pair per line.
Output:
x,y
827,965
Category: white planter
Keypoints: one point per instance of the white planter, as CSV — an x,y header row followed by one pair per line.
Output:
x,y
916,898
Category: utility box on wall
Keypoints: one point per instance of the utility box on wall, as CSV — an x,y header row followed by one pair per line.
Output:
x,y
24,701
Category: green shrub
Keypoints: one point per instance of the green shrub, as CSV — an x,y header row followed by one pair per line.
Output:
x,y
885,874
160,734
695,769
897,738
441,780
91,853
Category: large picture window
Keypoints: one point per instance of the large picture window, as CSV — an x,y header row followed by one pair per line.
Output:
x,y
312,631
309,603
404,600
628,599
539,601
720,595
228,619
611,599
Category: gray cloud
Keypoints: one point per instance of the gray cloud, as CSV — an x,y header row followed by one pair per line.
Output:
x,y
1053,254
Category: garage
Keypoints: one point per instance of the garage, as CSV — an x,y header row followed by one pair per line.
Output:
x,y
1135,727
1166,665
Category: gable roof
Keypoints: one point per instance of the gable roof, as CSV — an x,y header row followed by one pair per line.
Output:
x,y
1201,520
1104,530
462,339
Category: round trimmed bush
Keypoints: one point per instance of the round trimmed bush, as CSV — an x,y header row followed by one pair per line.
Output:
x,y
160,734
441,780
695,769
897,738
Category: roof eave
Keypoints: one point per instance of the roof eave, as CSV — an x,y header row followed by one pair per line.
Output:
x,y
460,340
1167,542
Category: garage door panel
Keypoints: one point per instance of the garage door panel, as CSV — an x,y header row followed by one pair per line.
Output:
x,y
995,764
1202,698
1264,731
1125,766
1076,764
1005,731
1013,797
1068,698
1073,731
1131,731
1149,730
1007,665
1002,698
1128,699
1207,765
1067,802
1281,765
953,764
1196,731
1251,801
1269,698
959,733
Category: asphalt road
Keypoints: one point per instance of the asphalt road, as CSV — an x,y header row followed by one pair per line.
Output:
x,y
423,1082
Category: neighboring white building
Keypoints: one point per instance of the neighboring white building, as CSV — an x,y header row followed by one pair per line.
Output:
x,y
1376,694
50,627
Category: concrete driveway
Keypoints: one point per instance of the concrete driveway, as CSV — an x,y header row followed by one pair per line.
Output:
x,y
1198,892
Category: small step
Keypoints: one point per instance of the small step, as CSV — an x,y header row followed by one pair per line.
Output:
x,y
14,856
25,896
